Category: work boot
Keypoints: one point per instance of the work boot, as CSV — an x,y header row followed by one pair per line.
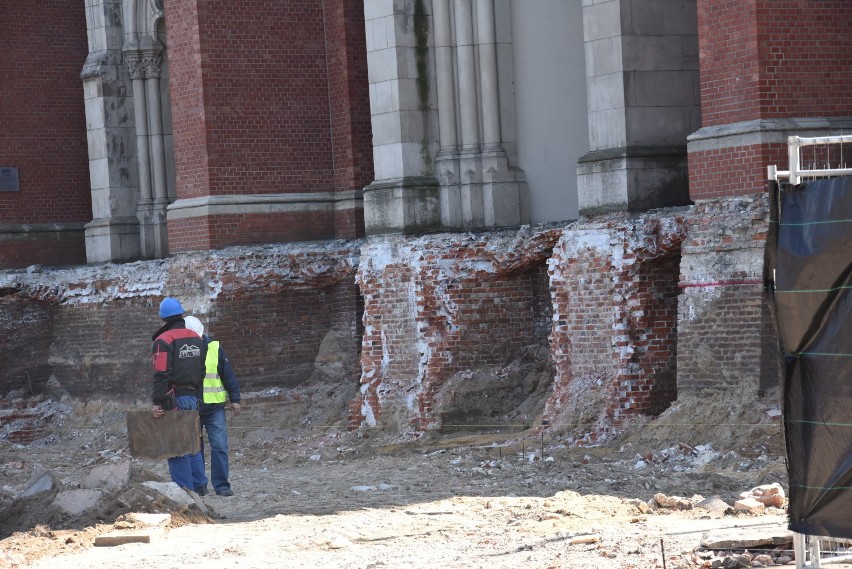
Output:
x,y
225,492
201,490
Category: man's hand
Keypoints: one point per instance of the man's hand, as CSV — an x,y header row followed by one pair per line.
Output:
x,y
236,408
158,411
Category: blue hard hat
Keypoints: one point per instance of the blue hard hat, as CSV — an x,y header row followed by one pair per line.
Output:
x,y
170,307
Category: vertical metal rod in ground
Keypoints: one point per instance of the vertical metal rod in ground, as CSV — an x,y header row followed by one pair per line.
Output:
x,y
523,450
663,552
542,446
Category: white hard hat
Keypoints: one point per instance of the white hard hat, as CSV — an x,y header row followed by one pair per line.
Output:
x,y
194,324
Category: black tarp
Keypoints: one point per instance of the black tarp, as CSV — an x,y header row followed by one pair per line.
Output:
x,y
810,250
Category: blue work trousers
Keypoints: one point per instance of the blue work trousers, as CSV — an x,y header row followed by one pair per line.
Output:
x,y
217,435
187,471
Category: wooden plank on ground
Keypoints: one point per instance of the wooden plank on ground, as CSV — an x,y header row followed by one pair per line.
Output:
x,y
174,434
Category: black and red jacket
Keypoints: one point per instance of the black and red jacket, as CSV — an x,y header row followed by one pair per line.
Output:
x,y
178,358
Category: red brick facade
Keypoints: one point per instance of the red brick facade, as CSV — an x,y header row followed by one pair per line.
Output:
x,y
43,129
763,60
278,105
734,171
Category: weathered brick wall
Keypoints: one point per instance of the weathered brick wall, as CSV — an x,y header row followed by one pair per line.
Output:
x,y
614,288
723,319
104,349
273,335
91,327
438,305
26,334
774,59
43,128
268,100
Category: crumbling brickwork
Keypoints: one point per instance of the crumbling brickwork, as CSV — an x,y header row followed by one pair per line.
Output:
x,y
436,306
615,294
90,327
26,334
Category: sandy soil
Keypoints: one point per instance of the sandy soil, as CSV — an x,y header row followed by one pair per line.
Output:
x,y
328,497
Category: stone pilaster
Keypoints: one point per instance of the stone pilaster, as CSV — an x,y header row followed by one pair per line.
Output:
x,y
113,233
642,84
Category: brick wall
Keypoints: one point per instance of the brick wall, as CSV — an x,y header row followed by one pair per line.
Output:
x,y
734,171
272,336
26,333
90,327
349,100
269,98
216,232
22,250
724,340
436,306
774,59
43,128
104,350
763,60
614,336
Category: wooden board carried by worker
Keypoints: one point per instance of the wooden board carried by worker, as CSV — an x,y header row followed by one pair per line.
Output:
x,y
174,434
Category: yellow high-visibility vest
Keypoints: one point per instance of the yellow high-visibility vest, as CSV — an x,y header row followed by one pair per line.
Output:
x,y
213,390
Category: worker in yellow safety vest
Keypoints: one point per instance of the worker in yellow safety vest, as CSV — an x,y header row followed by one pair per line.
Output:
x,y
220,385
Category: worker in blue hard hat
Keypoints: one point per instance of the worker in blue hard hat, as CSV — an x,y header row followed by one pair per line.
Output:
x,y
178,358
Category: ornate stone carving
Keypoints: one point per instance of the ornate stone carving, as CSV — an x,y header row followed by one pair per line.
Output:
x,y
135,65
153,63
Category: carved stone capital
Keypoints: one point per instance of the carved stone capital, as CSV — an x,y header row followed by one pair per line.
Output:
x,y
135,65
153,63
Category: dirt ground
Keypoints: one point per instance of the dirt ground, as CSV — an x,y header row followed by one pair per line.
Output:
x,y
329,497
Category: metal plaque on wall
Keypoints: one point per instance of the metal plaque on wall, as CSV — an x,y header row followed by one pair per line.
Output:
x,y
8,179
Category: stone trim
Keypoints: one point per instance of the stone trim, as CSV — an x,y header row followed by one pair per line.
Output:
x,y
763,131
264,203
6,228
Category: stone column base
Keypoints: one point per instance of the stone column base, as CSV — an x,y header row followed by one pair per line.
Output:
x,y
112,239
406,205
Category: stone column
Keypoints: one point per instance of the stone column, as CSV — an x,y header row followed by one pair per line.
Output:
x,y
488,75
447,161
470,166
153,63
404,197
157,232
136,68
113,233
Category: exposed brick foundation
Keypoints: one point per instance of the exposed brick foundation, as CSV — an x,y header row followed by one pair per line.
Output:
x,y
725,340
614,290
91,327
436,306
